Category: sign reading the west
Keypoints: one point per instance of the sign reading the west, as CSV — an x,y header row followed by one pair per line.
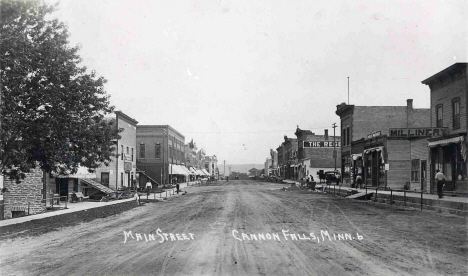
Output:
x,y
321,144
417,132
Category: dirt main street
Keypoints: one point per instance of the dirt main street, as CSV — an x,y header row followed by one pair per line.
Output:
x,y
208,232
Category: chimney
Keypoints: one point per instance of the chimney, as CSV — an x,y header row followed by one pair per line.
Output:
x,y
409,104
326,134
409,112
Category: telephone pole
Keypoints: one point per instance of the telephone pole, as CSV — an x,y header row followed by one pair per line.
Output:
x,y
334,143
348,90
224,173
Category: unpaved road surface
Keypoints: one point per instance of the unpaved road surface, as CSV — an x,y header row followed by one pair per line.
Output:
x,y
214,224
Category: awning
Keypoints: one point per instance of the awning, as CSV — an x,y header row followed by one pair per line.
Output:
x,y
176,169
183,170
200,173
356,156
193,171
187,171
458,139
81,173
366,151
205,172
377,149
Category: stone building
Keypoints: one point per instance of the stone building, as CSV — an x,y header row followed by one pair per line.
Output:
x,y
26,197
379,142
315,153
449,101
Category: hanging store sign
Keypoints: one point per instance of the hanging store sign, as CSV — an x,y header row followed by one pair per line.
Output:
x,y
128,166
417,132
322,144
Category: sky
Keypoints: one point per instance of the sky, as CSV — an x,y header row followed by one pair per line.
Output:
x,y
236,76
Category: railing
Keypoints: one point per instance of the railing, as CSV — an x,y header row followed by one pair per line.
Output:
x,y
52,199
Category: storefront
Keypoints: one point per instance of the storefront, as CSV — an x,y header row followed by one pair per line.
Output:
x,y
449,156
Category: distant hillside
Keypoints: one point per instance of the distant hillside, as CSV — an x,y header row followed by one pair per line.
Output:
x,y
242,168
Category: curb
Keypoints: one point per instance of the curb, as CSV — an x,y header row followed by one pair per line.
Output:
x,y
47,224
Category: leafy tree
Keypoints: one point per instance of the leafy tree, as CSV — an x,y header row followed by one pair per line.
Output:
x,y
52,109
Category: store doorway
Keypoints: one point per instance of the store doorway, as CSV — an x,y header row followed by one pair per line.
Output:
x,y
423,175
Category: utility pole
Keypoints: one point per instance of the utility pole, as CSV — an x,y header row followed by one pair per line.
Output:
x,y
334,143
348,90
224,173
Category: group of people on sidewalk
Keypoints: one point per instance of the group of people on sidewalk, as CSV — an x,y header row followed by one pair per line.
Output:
x,y
149,188
439,177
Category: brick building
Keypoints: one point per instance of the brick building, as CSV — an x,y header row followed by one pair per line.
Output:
x,y
449,100
121,171
281,161
315,153
290,158
160,154
380,142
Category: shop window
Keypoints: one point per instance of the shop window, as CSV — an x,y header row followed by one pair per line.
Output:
x,y
440,116
415,170
105,179
142,150
456,113
369,166
460,165
157,150
346,165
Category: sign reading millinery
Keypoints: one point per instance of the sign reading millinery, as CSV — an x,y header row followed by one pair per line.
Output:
x,y
128,157
417,132
322,144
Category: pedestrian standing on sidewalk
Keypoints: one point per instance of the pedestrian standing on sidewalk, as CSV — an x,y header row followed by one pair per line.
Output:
x,y
149,186
137,198
440,177
359,181
177,187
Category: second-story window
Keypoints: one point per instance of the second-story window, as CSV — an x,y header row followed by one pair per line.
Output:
x,y
142,150
343,137
456,113
157,150
439,116
348,137
121,152
132,154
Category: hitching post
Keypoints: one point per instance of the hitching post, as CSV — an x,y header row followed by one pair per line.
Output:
x,y
421,199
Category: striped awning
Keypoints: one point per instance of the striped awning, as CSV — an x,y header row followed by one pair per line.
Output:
x,y
454,140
